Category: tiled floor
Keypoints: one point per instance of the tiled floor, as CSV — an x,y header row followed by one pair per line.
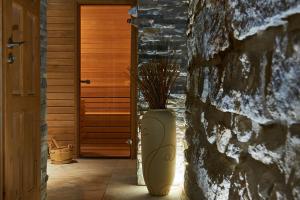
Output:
x,y
99,179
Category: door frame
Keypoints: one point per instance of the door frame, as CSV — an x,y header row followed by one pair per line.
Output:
x,y
1,104
133,79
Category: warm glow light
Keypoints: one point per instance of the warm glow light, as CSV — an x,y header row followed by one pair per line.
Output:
x,y
180,169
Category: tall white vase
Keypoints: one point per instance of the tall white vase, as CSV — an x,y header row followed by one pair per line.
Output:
x,y
158,150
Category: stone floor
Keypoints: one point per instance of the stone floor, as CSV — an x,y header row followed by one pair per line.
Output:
x,y
99,179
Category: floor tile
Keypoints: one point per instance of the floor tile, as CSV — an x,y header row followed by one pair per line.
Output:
x,y
99,179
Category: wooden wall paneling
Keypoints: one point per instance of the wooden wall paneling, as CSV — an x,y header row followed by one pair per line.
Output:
x,y
61,110
61,61
107,2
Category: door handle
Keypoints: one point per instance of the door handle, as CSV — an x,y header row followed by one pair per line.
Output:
x,y
129,141
86,81
12,44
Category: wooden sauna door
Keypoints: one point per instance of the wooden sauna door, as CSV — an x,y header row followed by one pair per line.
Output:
x,y
22,100
105,81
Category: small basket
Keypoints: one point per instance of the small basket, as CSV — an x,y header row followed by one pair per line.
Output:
x,y
60,154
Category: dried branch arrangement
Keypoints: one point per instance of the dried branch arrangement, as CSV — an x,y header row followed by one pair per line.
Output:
x,y
156,80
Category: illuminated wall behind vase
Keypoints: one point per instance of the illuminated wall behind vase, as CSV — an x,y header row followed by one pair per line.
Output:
x,y
157,21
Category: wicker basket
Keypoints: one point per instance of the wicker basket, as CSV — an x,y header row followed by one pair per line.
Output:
x,y
60,154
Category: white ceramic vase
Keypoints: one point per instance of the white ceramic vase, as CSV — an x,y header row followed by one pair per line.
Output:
x,y
158,128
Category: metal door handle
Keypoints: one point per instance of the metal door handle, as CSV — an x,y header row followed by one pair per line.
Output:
x,y
129,141
12,44
86,81
11,58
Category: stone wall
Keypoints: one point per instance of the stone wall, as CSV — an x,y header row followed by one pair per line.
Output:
x,y
164,20
243,100
43,84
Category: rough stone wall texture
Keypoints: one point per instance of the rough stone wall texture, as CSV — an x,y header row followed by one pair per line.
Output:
x,y
243,100
43,84
165,20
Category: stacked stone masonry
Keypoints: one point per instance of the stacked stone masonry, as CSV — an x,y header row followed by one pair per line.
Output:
x,y
243,100
164,22
43,85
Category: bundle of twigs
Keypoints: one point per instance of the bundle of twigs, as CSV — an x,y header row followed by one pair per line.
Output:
x,y
156,79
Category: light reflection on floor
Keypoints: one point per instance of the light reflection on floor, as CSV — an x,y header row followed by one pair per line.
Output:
x,y
99,179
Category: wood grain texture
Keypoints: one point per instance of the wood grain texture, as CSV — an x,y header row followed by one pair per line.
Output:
x,y
61,95
1,108
22,96
105,60
63,60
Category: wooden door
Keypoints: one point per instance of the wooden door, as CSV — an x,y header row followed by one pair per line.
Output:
x,y
105,118
22,116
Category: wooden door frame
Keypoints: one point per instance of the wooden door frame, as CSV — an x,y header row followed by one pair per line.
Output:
x,y
1,105
133,81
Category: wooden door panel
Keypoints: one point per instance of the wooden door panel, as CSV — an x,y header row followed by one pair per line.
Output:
x,y
106,129
105,92
29,179
88,123
111,135
107,141
105,120
107,73
22,100
98,151
29,56
103,107
13,177
16,78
